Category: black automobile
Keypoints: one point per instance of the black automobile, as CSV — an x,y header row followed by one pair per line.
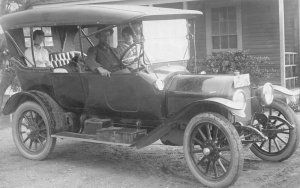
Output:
x,y
211,116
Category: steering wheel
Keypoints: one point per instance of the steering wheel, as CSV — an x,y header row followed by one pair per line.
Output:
x,y
127,58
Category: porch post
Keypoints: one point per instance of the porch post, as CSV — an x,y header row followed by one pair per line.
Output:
x,y
282,42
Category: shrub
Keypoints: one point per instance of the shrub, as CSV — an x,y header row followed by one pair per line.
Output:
x,y
230,61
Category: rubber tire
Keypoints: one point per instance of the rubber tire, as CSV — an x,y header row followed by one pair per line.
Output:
x,y
50,144
232,136
293,143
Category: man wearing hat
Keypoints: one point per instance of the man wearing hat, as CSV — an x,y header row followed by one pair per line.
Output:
x,y
101,58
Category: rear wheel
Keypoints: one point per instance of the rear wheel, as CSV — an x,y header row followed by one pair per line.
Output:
x,y
283,141
31,132
213,150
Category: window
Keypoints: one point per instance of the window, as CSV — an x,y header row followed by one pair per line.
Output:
x,y
48,36
224,30
291,77
223,27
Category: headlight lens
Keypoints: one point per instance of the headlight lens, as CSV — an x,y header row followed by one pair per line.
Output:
x,y
239,98
267,94
159,84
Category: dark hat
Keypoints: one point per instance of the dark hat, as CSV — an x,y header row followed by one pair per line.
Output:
x,y
103,30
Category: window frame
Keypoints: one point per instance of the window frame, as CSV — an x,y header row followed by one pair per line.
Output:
x,y
41,28
208,23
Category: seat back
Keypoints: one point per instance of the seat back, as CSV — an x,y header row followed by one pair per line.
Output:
x,y
63,58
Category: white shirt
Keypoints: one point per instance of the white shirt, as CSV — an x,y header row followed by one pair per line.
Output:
x,y
41,56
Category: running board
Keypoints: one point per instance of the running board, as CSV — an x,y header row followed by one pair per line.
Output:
x,y
111,135
84,138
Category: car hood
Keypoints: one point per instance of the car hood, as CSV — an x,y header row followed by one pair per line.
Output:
x,y
206,85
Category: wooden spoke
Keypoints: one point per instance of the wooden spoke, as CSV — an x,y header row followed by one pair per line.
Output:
x,y
270,145
22,124
222,166
30,145
208,131
279,114
40,142
197,151
202,160
262,144
215,134
226,148
277,126
202,135
226,160
42,136
276,144
215,169
198,142
26,139
207,166
281,140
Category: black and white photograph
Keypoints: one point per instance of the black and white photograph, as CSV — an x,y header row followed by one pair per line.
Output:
x,y
149,93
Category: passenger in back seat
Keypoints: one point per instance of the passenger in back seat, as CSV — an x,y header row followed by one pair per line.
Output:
x,y
41,55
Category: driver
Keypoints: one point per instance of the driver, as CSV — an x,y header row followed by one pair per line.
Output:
x,y
127,35
101,58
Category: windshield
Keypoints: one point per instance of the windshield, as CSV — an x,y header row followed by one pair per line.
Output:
x,y
166,40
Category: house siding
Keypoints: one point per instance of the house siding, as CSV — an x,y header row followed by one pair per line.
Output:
x,y
291,26
260,28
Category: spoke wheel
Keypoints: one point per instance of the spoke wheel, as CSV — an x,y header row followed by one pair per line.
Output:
x,y
31,132
213,150
282,142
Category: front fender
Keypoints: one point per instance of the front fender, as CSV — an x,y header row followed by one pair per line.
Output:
x,y
284,91
210,104
229,105
285,95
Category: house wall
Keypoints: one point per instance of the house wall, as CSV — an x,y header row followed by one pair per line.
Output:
x,y
260,27
291,26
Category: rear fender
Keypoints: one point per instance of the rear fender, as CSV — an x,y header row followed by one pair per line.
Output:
x,y
15,100
54,113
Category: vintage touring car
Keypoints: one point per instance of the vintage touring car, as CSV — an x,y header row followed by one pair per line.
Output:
x,y
211,116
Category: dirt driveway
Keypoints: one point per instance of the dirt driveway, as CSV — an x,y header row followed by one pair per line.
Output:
x,y
80,164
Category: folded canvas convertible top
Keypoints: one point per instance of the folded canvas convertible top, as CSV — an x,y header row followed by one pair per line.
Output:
x,y
91,15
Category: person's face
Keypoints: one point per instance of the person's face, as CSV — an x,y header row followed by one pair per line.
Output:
x,y
128,38
39,39
104,36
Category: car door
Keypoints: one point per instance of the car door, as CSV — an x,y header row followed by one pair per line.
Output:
x,y
68,90
120,92
107,95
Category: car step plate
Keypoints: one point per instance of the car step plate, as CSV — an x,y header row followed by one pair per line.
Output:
x,y
111,135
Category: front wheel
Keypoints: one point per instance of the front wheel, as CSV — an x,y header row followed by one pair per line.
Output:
x,y
31,132
282,140
213,150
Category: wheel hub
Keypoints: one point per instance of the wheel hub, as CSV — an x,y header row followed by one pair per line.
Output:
x,y
206,151
271,134
28,131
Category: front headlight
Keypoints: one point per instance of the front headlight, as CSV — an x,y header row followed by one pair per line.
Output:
x,y
159,84
267,94
239,98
